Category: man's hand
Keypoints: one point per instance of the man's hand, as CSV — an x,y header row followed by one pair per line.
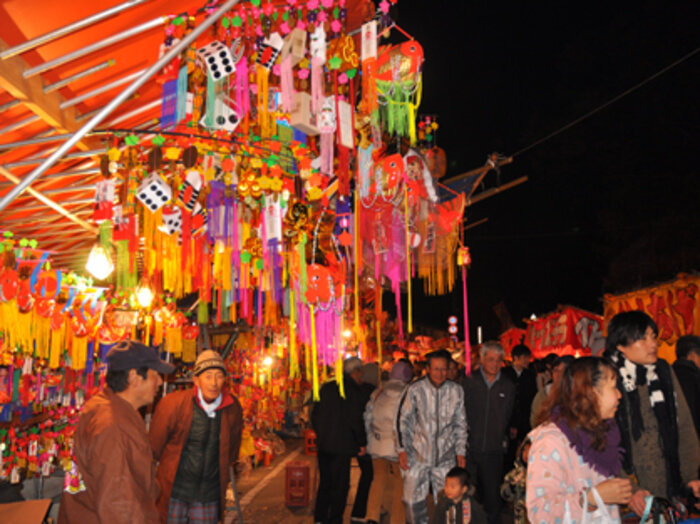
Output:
x,y
637,502
461,461
403,460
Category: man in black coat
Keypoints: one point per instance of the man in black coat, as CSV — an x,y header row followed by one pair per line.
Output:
x,y
687,369
525,391
340,435
488,397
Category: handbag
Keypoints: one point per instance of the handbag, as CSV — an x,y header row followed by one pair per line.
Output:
x,y
601,515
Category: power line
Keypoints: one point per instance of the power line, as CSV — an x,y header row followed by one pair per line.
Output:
x,y
611,101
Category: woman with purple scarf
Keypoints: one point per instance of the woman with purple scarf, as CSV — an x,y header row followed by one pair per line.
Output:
x,y
575,458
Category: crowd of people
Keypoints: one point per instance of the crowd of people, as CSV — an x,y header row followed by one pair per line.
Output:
x,y
563,439
573,440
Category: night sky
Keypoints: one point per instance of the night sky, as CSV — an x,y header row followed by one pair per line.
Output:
x,y
612,203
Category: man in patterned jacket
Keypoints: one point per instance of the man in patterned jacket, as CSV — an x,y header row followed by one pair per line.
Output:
x,y
432,434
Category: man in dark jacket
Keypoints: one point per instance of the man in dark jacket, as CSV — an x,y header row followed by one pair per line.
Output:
x,y
195,435
687,368
113,479
489,397
340,435
525,391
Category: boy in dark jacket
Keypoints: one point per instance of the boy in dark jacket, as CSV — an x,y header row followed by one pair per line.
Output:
x,y
455,505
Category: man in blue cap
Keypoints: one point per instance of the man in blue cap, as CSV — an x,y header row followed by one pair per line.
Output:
x,y
113,457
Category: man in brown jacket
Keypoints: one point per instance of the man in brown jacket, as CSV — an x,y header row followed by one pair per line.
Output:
x,y
195,435
112,452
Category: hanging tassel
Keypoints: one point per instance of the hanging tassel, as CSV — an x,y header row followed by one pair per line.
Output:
x,y
317,87
242,89
369,86
327,152
211,102
378,314
412,107
467,346
358,258
293,356
314,357
287,84
408,259
263,75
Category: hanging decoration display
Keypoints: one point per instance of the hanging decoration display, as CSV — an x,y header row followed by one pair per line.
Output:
x,y
290,182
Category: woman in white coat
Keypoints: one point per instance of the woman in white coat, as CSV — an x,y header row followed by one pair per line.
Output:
x,y
380,425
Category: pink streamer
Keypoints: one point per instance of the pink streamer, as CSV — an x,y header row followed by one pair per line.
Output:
x,y
242,94
317,90
287,84
327,152
467,346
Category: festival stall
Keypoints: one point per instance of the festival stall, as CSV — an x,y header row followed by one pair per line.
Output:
x,y
568,331
290,181
674,306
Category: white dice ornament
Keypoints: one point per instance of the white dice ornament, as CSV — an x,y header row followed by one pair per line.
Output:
x,y
154,192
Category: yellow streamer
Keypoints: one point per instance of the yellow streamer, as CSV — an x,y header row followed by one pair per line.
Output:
x,y
315,356
293,357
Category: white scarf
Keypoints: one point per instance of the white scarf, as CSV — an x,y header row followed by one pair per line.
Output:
x,y
208,408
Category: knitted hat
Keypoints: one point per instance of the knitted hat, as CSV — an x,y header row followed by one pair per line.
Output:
x,y
208,359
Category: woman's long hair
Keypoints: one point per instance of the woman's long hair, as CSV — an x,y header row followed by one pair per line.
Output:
x,y
576,401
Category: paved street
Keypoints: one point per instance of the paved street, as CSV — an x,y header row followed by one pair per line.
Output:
x,y
262,491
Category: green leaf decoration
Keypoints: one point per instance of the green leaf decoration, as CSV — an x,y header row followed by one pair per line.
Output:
x,y
178,20
236,21
245,257
131,140
336,12
159,140
8,234
256,3
351,73
335,63
23,242
225,22
2,248
285,16
275,15
33,243
259,264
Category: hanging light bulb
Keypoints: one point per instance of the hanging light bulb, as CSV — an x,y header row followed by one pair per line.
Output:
x,y
99,263
144,296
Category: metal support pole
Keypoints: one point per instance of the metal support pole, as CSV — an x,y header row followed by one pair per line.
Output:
x,y
94,47
77,76
101,89
9,105
48,37
33,161
167,57
21,123
34,141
